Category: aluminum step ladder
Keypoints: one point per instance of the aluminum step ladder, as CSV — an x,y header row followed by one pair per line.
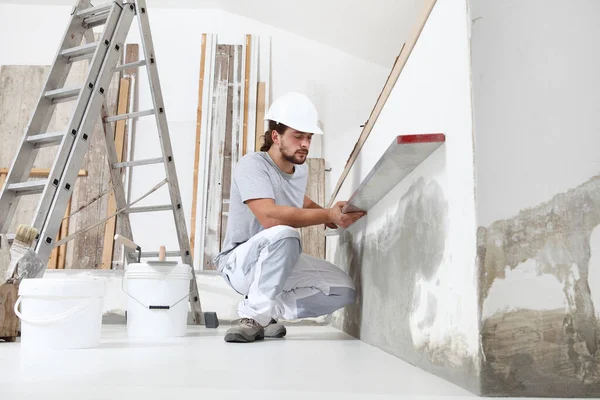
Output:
x,y
102,57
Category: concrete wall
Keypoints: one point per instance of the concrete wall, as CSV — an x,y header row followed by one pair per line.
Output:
x,y
537,119
341,85
413,256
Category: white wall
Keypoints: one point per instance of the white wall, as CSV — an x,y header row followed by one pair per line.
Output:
x,y
536,86
432,95
343,87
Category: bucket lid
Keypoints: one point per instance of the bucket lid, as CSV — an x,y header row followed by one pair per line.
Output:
x,y
64,287
159,269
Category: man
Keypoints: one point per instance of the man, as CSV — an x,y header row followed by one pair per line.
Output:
x,y
262,255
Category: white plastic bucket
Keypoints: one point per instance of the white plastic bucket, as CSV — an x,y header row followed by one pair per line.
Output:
x,y
60,313
158,293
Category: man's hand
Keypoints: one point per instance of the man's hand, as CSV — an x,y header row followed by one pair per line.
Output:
x,y
343,220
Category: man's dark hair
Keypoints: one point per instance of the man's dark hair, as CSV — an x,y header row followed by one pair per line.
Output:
x,y
268,138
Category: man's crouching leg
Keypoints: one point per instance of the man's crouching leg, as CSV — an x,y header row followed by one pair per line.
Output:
x,y
272,255
316,288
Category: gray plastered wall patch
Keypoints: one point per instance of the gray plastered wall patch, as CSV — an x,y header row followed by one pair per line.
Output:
x,y
409,245
529,352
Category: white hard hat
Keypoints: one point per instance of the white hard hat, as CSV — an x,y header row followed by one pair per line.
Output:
x,y
296,111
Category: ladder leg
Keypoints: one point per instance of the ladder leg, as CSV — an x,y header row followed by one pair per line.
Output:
x,y
73,164
76,131
171,174
111,156
115,175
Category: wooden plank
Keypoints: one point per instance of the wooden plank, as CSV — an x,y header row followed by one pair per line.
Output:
x,y
205,150
229,151
64,232
260,115
9,323
41,172
53,261
217,148
237,106
4,257
246,93
20,88
197,145
313,241
86,250
401,60
131,55
252,94
111,225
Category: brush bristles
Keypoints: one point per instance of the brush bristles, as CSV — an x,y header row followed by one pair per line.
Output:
x,y
26,234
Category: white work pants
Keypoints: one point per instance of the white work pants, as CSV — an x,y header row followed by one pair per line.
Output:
x,y
278,281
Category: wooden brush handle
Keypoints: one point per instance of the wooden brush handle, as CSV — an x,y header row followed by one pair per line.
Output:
x,y
162,253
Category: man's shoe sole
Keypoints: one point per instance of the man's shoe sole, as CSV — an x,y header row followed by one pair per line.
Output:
x,y
278,334
237,337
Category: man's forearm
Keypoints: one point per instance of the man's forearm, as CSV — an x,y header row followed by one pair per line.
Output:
x,y
297,217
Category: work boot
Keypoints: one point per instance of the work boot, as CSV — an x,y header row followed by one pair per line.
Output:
x,y
275,330
245,330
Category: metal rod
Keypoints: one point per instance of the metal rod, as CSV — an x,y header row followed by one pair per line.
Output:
x,y
155,253
139,162
129,115
130,65
103,220
133,210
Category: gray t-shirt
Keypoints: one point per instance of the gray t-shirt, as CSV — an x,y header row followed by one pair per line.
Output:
x,y
256,176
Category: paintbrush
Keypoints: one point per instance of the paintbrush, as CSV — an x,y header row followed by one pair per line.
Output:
x,y
22,243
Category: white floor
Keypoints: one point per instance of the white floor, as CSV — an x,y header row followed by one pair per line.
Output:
x,y
310,363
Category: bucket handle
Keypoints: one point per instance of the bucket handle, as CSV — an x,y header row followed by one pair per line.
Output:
x,y
150,307
82,306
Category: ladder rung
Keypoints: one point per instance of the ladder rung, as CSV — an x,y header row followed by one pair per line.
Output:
x,y
166,207
139,162
130,65
96,16
176,253
80,52
96,20
46,139
62,95
121,117
25,188
94,10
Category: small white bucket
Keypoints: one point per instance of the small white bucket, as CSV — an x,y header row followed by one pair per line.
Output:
x,y
158,292
60,313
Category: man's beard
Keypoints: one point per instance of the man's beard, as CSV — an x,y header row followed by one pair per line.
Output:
x,y
295,158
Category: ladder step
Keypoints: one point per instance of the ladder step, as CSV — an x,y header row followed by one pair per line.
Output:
x,y
139,162
95,16
80,52
176,253
62,95
121,117
25,188
96,20
46,139
94,10
166,207
130,65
